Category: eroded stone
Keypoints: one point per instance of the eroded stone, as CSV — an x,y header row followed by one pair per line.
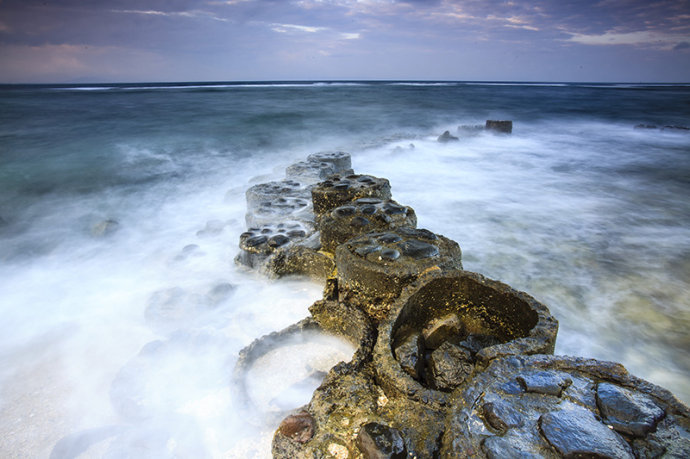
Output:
x,y
449,366
544,382
379,441
410,354
575,432
298,427
626,411
501,416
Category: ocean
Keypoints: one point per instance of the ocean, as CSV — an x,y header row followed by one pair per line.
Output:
x,y
123,312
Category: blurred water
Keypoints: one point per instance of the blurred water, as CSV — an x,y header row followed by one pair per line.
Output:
x,y
123,312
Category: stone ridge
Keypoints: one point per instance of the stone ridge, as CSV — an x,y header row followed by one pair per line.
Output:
x,y
448,362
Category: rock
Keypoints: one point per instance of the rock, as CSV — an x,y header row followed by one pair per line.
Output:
x,y
676,128
442,329
339,190
510,322
374,268
575,432
212,228
446,137
537,423
410,353
626,411
503,448
544,382
219,293
257,243
272,190
340,160
379,441
300,260
505,127
646,126
281,209
298,427
501,416
105,228
449,366
365,215
309,171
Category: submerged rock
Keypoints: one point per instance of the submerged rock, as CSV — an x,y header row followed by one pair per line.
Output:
x,y
446,137
103,228
504,127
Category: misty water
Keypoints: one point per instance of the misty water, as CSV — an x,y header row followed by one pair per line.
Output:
x,y
121,208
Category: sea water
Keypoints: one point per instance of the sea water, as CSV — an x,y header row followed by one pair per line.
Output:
x,y
121,207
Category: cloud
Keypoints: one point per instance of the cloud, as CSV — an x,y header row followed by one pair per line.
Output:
x,y
288,28
183,14
681,46
644,38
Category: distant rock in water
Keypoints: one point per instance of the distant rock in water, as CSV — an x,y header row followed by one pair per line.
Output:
x,y
104,228
663,128
446,137
505,127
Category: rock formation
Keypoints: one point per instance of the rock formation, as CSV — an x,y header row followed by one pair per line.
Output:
x,y
448,362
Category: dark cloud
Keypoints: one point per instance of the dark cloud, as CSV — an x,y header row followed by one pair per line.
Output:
x,y
682,46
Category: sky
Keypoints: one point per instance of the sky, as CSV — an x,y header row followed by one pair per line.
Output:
x,y
80,41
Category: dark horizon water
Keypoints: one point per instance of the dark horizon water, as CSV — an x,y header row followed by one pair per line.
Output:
x,y
577,207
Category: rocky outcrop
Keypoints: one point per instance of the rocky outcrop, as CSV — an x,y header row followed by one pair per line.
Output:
x,y
448,363
502,126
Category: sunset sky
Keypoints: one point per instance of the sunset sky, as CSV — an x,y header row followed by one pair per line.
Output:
x,y
184,40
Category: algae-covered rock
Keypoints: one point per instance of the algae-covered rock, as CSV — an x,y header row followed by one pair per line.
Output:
x,y
300,260
257,243
374,268
338,190
364,215
545,423
379,441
